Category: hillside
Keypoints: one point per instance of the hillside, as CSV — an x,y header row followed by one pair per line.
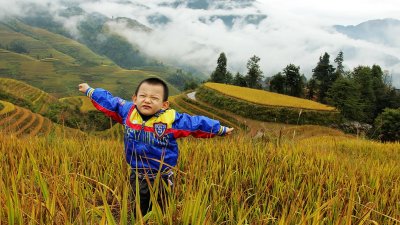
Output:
x,y
26,95
57,64
266,106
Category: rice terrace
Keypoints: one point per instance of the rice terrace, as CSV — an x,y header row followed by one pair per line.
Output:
x,y
299,153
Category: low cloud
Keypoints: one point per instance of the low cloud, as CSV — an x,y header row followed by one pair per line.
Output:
x,y
291,33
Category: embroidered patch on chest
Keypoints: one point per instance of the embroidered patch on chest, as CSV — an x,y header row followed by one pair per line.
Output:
x,y
159,129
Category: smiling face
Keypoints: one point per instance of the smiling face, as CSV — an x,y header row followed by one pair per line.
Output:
x,y
149,99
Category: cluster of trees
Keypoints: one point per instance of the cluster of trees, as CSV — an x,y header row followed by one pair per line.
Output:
x,y
252,79
288,82
361,95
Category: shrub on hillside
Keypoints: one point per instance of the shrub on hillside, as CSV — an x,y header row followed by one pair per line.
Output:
x,y
388,125
18,47
1,106
64,114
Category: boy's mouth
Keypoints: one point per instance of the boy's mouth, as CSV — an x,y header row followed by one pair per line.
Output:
x,y
146,107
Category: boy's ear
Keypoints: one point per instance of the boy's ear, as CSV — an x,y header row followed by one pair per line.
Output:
x,y
134,98
165,105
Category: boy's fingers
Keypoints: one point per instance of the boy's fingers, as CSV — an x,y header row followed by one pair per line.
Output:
x,y
83,87
229,130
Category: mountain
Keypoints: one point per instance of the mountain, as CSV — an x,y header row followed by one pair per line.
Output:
x,y
93,31
382,31
97,32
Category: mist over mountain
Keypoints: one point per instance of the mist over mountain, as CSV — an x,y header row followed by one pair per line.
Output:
x,y
192,33
384,31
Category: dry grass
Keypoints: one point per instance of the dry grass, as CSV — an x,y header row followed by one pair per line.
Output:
x,y
233,180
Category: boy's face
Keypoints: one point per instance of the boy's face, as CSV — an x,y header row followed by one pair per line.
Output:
x,y
149,99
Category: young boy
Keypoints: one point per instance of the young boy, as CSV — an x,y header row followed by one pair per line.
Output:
x,y
151,130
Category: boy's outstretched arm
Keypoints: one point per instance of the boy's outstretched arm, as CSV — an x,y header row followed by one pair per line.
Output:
x,y
105,102
198,126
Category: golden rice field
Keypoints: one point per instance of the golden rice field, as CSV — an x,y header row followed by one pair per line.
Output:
x,y
267,98
232,180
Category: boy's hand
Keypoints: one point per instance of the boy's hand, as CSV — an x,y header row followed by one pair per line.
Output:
x,y
229,130
83,87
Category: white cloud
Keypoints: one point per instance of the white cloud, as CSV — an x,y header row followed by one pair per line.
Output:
x,y
297,32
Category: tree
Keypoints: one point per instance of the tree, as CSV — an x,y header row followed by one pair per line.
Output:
x,y
254,74
323,74
344,96
239,80
387,125
311,88
294,82
339,61
228,78
362,76
380,90
278,83
220,73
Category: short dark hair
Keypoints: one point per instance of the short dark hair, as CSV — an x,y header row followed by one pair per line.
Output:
x,y
155,81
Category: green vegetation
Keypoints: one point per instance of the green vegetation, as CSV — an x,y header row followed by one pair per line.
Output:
x,y
388,125
266,113
288,82
1,106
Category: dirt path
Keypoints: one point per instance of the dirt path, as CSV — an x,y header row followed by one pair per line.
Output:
x,y
192,95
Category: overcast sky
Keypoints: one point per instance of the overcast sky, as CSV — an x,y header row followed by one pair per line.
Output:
x,y
297,32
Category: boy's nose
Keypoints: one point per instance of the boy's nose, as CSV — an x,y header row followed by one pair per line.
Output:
x,y
147,100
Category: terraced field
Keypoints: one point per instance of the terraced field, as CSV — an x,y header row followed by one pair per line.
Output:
x,y
21,90
267,98
23,122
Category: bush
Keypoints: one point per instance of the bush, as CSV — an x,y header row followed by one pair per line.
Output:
x,y
18,47
62,113
1,106
387,125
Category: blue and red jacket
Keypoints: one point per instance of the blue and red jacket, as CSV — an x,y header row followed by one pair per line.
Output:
x,y
152,144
